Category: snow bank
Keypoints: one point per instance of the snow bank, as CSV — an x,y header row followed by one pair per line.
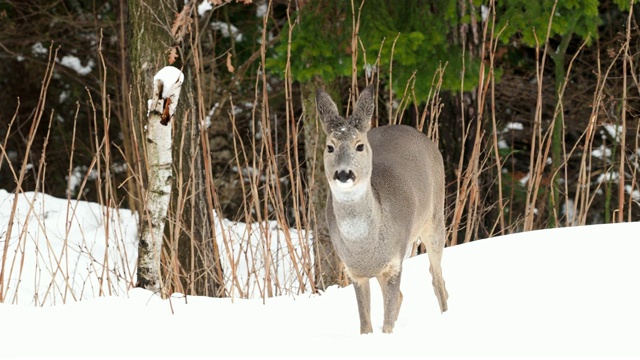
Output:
x,y
53,237
552,293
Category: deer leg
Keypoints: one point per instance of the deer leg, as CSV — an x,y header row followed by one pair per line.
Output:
x,y
433,238
392,298
363,297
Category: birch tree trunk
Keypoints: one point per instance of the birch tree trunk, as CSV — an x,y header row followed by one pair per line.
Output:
x,y
166,93
147,46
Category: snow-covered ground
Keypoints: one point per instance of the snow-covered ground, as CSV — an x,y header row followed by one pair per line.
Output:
x,y
57,249
562,292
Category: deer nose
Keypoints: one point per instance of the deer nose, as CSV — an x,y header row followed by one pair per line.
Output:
x,y
344,176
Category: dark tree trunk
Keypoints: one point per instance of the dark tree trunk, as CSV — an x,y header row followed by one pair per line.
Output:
x,y
328,267
199,271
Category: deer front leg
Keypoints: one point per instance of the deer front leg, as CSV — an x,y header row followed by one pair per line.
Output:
x,y
392,297
363,297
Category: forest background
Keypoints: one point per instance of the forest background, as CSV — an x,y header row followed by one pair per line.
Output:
x,y
534,106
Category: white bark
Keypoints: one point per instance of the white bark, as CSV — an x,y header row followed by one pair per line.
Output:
x,y
166,92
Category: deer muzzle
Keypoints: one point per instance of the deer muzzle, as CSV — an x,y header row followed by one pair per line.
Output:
x,y
344,176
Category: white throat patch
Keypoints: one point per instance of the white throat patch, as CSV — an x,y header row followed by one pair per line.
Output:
x,y
347,192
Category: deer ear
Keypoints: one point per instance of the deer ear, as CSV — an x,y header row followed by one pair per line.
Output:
x,y
327,110
361,118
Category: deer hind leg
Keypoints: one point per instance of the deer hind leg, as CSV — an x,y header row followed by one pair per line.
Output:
x,y
363,297
391,296
433,238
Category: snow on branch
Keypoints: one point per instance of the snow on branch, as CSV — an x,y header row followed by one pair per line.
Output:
x,y
166,92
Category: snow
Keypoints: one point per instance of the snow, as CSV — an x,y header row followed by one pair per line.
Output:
x,y
635,194
569,210
245,248
171,78
484,12
559,292
227,30
64,95
75,64
82,248
63,246
206,123
613,176
77,177
38,49
513,126
601,152
608,176
261,10
614,131
204,6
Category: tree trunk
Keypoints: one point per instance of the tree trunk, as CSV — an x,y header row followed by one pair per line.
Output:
x,y
193,247
328,267
147,47
557,135
124,113
166,93
191,257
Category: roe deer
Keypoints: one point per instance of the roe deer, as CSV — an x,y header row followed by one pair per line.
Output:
x,y
387,192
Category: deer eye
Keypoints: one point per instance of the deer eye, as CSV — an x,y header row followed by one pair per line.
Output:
x,y
330,148
360,147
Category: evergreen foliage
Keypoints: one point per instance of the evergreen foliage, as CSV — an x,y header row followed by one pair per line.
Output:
x,y
528,20
321,43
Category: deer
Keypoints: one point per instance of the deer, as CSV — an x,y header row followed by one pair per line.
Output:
x,y
386,193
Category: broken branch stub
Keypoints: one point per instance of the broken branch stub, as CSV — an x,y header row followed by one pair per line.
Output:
x,y
166,92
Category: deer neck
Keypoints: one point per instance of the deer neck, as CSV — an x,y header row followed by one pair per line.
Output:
x,y
356,211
